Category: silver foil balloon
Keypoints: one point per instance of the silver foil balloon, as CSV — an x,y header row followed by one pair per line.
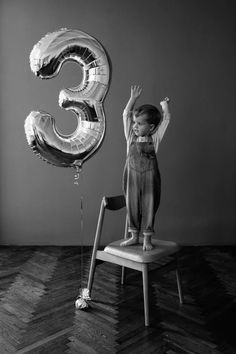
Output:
x,y
85,100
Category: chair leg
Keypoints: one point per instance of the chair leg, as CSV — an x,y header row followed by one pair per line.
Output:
x,y
91,274
96,244
122,275
179,284
145,293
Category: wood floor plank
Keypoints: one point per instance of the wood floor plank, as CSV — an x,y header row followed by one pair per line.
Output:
x,y
39,286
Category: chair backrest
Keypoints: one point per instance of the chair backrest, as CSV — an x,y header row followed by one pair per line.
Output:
x,y
114,203
110,203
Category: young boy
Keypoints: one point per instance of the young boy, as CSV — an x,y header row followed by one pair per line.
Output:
x,y
144,128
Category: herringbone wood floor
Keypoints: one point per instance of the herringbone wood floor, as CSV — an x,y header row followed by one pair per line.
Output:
x,y
38,287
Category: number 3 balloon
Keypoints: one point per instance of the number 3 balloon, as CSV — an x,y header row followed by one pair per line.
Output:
x,y
85,100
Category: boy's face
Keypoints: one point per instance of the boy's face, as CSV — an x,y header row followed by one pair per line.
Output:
x,y
141,127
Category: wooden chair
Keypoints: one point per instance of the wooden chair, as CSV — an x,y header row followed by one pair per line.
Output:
x,y
130,256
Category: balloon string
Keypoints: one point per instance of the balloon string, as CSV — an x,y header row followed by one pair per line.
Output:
x,y
84,296
82,234
79,176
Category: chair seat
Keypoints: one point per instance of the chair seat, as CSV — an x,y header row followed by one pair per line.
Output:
x,y
135,252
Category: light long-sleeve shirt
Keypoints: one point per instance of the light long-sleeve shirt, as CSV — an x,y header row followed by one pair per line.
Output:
x,y
156,137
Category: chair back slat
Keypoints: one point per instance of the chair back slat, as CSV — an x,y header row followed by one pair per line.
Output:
x,y
114,203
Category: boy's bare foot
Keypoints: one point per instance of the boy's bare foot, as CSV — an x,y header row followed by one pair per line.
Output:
x,y
133,240
147,245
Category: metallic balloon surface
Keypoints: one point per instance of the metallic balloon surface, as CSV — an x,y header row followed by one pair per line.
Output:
x,y
85,100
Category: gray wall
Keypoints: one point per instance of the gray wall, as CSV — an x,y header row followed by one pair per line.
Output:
x,y
184,49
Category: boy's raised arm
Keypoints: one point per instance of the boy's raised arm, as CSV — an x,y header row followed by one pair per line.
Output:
x,y
166,118
135,92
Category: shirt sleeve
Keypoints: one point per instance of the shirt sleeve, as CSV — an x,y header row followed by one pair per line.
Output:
x,y
159,133
127,122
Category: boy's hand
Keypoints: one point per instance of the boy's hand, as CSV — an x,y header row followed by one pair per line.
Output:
x,y
135,91
164,104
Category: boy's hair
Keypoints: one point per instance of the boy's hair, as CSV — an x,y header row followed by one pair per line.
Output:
x,y
153,115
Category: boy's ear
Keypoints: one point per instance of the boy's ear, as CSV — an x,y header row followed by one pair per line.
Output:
x,y
152,128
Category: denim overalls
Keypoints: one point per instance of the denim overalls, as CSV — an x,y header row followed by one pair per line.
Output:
x,y
142,186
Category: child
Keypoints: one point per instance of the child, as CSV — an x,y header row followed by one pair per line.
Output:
x,y
144,129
